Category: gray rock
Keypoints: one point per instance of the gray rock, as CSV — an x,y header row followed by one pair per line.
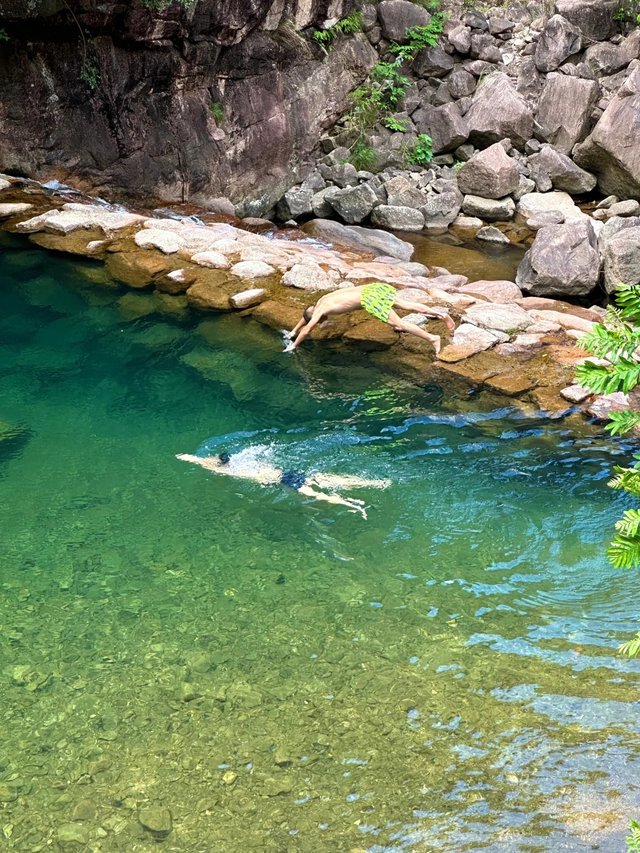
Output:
x,y
562,171
491,210
547,217
321,202
498,111
440,209
563,261
565,108
432,62
525,186
490,173
484,47
445,126
533,204
606,58
295,202
507,317
476,20
461,83
612,151
156,820
594,18
493,291
247,298
398,218
530,81
622,259
558,41
368,239
460,38
492,235
343,175
468,339
397,16
402,193
498,25
314,182
624,208
353,204
575,393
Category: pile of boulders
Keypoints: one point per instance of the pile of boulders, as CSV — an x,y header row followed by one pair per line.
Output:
x,y
513,343
525,115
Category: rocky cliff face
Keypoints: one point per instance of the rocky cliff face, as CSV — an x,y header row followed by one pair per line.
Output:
x,y
182,103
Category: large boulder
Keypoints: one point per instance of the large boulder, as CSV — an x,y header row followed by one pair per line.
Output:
x,y
432,62
446,127
558,41
505,317
440,209
594,18
498,112
490,173
564,109
612,151
397,16
353,204
402,193
361,239
622,259
561,170
563,261
534,205
489,209
398,218
606,59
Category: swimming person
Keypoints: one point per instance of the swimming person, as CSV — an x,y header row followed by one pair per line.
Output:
x,y
268,475
377,299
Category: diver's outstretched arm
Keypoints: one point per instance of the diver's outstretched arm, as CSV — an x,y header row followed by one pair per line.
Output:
x,y
352,504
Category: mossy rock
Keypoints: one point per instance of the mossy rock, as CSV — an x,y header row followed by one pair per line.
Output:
x,y
10,431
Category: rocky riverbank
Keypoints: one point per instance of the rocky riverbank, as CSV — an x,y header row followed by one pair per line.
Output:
x,y
517,345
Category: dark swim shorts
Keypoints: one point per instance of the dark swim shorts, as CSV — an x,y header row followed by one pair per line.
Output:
x,y
293,479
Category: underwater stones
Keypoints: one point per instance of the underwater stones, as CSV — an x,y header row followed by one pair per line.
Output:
x,y
7,210
8,794
73,832
73,217
156,820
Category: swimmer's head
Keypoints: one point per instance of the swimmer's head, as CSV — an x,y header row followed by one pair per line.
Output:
x,y
308,313
224,457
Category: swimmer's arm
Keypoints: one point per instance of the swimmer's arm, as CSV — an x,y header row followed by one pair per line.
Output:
x,y
352,505
205,462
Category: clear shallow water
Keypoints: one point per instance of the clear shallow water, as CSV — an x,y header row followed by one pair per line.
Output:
x,y
280,674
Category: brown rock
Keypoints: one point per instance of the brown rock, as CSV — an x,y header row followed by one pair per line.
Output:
x,y
137,269
372,334
511,383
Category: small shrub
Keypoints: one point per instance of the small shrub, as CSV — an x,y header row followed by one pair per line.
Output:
x,y
457,166
362,156
161,5
419,38
346,26
421,152
90,74
217,111
397,125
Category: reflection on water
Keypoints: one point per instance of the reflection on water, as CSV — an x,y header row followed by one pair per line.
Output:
x,y
279,674
474,259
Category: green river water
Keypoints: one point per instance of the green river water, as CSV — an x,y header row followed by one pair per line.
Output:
x,y
279,674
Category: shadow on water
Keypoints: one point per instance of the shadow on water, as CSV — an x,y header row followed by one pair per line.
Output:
x,y
276,673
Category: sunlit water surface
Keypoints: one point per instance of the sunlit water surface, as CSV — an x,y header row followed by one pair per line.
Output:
x,y
280,674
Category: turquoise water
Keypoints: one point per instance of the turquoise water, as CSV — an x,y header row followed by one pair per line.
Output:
x,y
279,674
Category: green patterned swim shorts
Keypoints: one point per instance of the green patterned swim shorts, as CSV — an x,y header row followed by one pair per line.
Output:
x,y
377,299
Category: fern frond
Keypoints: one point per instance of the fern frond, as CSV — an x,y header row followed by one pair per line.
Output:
x,y
623,553
633,839
629,525
611,339
626,479
628,298
631,649
623,422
